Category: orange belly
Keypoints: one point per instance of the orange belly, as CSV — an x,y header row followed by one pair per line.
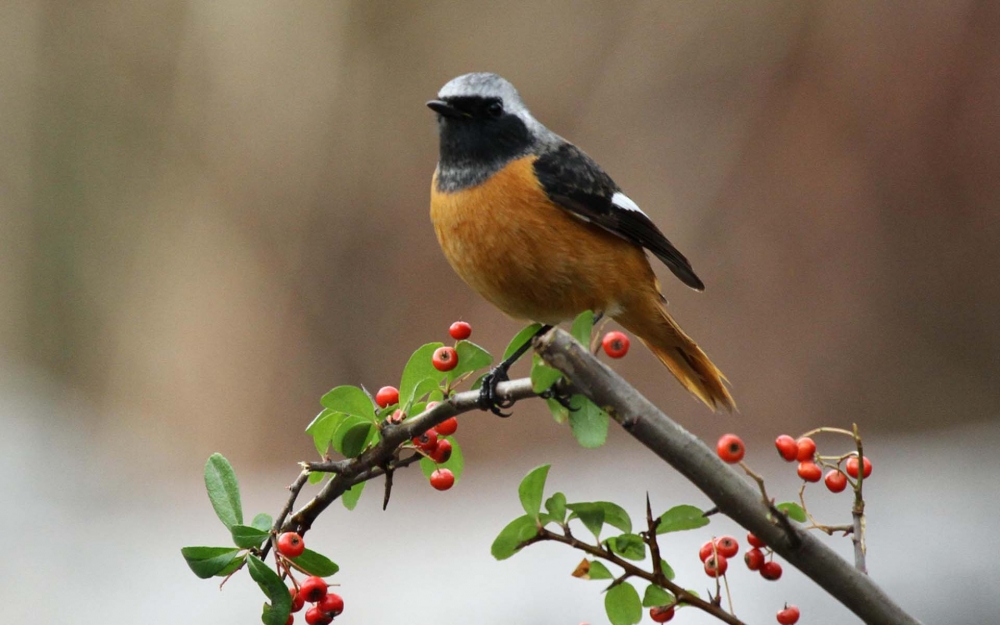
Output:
x,y
530,258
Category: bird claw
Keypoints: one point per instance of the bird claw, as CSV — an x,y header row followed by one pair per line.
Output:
x,y
562,398
488,399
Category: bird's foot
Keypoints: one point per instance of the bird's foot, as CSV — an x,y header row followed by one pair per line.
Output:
x,y
488,398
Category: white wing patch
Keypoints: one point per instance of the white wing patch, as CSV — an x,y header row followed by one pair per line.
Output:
x,y
624,202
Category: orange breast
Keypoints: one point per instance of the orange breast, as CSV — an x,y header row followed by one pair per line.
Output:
x,y
531,258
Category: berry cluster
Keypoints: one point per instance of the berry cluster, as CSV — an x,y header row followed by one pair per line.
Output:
x,y
433,444
810,467
315,590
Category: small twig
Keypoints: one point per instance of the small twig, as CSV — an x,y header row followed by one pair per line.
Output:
x,y
858,510
631,570
294,489
760,482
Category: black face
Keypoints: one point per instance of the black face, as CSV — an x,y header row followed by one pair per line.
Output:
x,y
478,137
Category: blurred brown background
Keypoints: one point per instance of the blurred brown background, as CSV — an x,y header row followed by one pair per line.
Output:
x,y
213,212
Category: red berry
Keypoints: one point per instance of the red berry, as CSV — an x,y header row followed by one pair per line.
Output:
x,y
770,570
445,358
730,448
447,427
442,451
756,542
706,551
788,616
387,396
312,589
787,447
810,471
442,479
727,546
332,604
291,545
427,441
754,559
662,614
315,616
460,330
716,565
852,466
397,416
836,481
807,449
615,344
297,600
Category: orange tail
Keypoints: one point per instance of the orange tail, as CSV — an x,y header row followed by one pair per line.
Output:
x,y
649,320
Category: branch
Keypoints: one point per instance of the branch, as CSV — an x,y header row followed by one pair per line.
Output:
x,y
631,570
730,492
372,462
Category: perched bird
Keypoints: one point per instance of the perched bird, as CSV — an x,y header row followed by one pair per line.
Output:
x,y
537,228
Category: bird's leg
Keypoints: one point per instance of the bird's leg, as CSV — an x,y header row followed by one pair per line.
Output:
x,y
488,391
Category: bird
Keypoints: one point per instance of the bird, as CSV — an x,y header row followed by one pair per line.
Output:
x,y
538,229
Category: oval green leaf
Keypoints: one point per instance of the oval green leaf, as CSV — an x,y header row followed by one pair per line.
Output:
x,y
246,536
352,495
681,518
556,506
542,375
520,339
223,490
349,400
208,561
347,426
656,596
628,546
531,489
262,522
623,605
471,357
316,563
588,422
355,439
583,327
591,514
418,368
509,540
281,601
793,510
322,428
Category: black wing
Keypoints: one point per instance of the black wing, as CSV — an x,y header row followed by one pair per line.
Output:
x,y
575,182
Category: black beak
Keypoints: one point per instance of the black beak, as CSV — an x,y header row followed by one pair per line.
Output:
x,y
444,109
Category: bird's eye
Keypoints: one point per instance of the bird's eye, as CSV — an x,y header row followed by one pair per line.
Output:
x,y
495,109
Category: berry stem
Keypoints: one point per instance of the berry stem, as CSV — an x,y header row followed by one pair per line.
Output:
x,y
829,430
858,510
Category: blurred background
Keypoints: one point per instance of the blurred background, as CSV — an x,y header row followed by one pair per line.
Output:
x,y
213,212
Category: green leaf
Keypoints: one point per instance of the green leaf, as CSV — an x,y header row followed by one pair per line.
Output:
x,y
274,588
559,412
520,339
427,386
623,605
322,428
628,546
615,516
355,439
316,563
542,375
233,566
347,426
352,495
583,327
262,522
680,518
509,540
418,368
599,571
223,490
588,422
793,510
656,596
349,400
208,561
246,536
471,357
317,477
668,571
556,506
591,514
531,488
456,463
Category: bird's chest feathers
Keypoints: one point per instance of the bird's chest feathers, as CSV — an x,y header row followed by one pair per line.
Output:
x,y
500,235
